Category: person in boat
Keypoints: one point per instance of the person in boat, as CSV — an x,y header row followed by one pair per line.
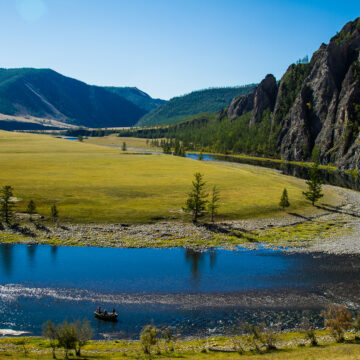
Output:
x,y
105,312
114,311
99,309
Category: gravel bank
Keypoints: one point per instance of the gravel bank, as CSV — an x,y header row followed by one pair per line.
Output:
x,y
228,234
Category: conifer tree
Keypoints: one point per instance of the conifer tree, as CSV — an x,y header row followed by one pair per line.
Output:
x,y
197,200
6,204
214,202
284,200
54,213
200,155
31,208
123,148
314,185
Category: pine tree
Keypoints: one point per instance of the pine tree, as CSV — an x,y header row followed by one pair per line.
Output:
x,y
214,202
314,184
31,208
284,200
123,148
197,200
7,205
54,213
200,155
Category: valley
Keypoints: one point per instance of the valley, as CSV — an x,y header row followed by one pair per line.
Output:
x,y
195,196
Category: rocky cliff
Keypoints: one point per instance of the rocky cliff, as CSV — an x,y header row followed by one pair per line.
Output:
x,y
314,104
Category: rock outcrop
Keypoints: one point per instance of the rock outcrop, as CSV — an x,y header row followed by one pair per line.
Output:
x,y
314,104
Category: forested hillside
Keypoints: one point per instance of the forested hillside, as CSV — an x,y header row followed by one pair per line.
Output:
x,y
137,97
314,108
181,107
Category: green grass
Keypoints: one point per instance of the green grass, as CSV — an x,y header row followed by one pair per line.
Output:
x,y
288,349
91,183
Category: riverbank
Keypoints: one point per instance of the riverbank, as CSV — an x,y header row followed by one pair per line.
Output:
x,y
290,346
330,229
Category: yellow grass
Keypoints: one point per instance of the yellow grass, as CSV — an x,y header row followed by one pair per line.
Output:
x,y
132,144
91,183
37,348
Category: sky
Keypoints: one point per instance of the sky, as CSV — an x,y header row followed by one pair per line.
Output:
x,y
167,47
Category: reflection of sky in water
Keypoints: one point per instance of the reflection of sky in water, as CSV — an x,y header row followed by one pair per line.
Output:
x,y
43,282
165,270
147,270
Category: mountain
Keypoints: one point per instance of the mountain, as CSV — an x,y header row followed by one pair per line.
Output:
x,y
314,109
137,97
46,94
202,101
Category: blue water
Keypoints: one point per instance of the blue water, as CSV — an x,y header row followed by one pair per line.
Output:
x,y
193,292
146,270
331,177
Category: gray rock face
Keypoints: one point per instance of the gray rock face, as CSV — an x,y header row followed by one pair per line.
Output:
x,y
241,105
324,112
263,97
315,104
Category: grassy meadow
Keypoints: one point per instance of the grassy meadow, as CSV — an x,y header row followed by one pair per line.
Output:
x,y
132,143
291,346
93,183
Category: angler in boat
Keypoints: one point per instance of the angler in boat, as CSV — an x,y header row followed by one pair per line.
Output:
x,y
104,315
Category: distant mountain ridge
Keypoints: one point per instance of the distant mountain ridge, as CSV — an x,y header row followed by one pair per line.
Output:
x,y
200,101
136,96
46,94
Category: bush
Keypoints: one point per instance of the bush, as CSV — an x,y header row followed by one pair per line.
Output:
x,y
67,337
260,337
49,331
337,320
70,336
309,330
84,333
149,337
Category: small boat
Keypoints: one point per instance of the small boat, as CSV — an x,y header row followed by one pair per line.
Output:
x,y
107,316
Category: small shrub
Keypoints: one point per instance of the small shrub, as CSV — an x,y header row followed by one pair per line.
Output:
x,y
84,333
309,330
49,331
337,320
67,337
149,337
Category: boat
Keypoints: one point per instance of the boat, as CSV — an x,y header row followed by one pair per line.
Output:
x,y
106,316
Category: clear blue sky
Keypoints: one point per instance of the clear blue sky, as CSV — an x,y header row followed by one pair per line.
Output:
x,y
167,47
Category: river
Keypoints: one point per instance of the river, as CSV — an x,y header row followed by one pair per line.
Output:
x,y
195,293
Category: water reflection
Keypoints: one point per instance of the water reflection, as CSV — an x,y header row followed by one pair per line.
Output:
x,y
6,254
53,250
31,250
196,260
212,256
331,177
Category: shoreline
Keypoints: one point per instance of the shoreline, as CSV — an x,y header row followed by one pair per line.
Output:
x,y
332,230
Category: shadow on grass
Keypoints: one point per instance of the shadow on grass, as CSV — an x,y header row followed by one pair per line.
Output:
x,y
337,209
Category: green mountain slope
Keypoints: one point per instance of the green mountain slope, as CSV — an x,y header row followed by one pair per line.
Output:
x,y
137,97
181,107
313,112
47,94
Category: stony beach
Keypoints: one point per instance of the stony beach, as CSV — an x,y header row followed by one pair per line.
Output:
x,y
336,231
